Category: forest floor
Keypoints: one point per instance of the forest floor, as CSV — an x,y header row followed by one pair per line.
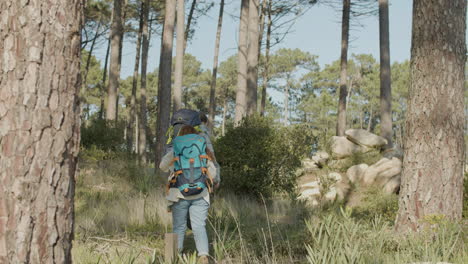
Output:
x,y
121,217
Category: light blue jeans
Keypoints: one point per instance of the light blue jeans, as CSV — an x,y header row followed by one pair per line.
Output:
x,y
198,210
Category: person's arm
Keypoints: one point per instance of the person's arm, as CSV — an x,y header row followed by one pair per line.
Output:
x,y
166,162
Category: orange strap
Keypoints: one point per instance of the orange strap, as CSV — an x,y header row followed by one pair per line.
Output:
x,y
174,160
205,157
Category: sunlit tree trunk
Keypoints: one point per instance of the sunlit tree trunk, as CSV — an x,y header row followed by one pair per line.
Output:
x,y
267,61
132,112
212,106
142,119
252,60
341,123
432,176
179,61
104,77
386,130
39,128
241,92
164,82
114,69
223,125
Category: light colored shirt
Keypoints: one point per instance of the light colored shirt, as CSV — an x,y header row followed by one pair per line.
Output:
x,y
174,194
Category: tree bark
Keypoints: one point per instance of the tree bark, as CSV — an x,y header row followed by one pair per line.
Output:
x,y
179,61
212,106
386,128
189,22
252,60
241,92
39,128
261,25
164,83
142,120
432,176
132,112
114,69
90,55
267,61
371,116
104,77
286,103
341,123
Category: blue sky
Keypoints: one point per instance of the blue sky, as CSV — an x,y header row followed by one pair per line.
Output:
x,y
318,32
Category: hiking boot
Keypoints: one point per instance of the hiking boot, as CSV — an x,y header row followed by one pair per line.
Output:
x,y
203,260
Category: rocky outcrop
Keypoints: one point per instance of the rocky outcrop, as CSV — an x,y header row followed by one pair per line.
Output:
x,y
382,171
365,138
356,172
341,148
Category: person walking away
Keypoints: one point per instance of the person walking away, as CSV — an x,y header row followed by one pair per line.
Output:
x,y
191,162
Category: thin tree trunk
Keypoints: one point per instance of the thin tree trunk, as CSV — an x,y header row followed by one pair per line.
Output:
x,y
262,26
386,130
179,61
371,116
286,103
132,112
142,120
252,60
341,124
267,61
432,176
104,77
189,23
241,93
114,72
212,106
40,129
164,83
90,55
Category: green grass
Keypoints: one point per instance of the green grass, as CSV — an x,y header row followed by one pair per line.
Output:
x,y
121,217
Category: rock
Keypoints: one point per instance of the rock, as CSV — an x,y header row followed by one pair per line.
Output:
x,y
309,165
392,185
342,148
356,172
340,165
320,158
365,138
381,171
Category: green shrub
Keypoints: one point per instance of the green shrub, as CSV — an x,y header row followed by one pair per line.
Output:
x,y
104,135
258,158
376,203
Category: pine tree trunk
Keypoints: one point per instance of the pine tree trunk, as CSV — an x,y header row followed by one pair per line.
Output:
x,y
189,22
114,69
267,61
90,55
432,176
286,103
142,120
341,124
386,129
212,106
371,116
262,11
104,77
164,83
39,128
252,60
241,92
179,61
132,112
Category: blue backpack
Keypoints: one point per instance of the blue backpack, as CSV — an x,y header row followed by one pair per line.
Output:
x,y
190,165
